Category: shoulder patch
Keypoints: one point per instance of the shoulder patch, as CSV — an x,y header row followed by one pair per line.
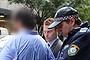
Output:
x,y
73,50
83,29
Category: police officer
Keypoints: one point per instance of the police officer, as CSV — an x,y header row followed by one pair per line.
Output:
x,y
77,43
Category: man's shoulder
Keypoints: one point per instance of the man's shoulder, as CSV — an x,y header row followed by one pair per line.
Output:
x,y
82,36
82,32
58,43
56,47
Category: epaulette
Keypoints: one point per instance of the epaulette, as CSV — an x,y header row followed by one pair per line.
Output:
x,y
83,29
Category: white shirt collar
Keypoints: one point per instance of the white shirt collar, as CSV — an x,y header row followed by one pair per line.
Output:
x,y
52,41
64,38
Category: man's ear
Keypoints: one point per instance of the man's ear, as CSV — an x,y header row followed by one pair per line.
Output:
x,y
72,21
56,30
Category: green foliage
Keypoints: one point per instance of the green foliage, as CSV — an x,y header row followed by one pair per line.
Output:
x,y
47,8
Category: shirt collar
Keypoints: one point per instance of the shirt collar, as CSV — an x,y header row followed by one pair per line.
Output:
x,y
52,42
32,32
64,38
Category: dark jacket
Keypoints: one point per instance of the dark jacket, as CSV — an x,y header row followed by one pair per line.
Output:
x,y
56,47
76,46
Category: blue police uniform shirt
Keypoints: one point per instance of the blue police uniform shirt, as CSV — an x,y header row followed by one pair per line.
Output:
x,y
27,45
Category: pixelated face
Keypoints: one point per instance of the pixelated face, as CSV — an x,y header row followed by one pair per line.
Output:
x,y
17,25
49,34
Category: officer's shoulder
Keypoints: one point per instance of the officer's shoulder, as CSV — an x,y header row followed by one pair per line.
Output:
x,y
85,30
82,31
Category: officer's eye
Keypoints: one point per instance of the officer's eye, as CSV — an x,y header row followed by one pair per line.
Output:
x,y
50,31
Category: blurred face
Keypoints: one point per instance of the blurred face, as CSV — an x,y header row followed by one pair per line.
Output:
x,y
49,34
64,28
17,25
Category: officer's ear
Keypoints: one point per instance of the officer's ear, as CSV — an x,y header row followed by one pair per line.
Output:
x,y
72,21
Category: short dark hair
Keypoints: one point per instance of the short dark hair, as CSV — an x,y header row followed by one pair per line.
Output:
x,y
26,17
78,21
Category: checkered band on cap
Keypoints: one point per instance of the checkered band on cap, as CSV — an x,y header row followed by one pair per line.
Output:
x,y
65,18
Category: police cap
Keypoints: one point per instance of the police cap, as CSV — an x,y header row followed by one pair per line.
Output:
x,y
63,14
